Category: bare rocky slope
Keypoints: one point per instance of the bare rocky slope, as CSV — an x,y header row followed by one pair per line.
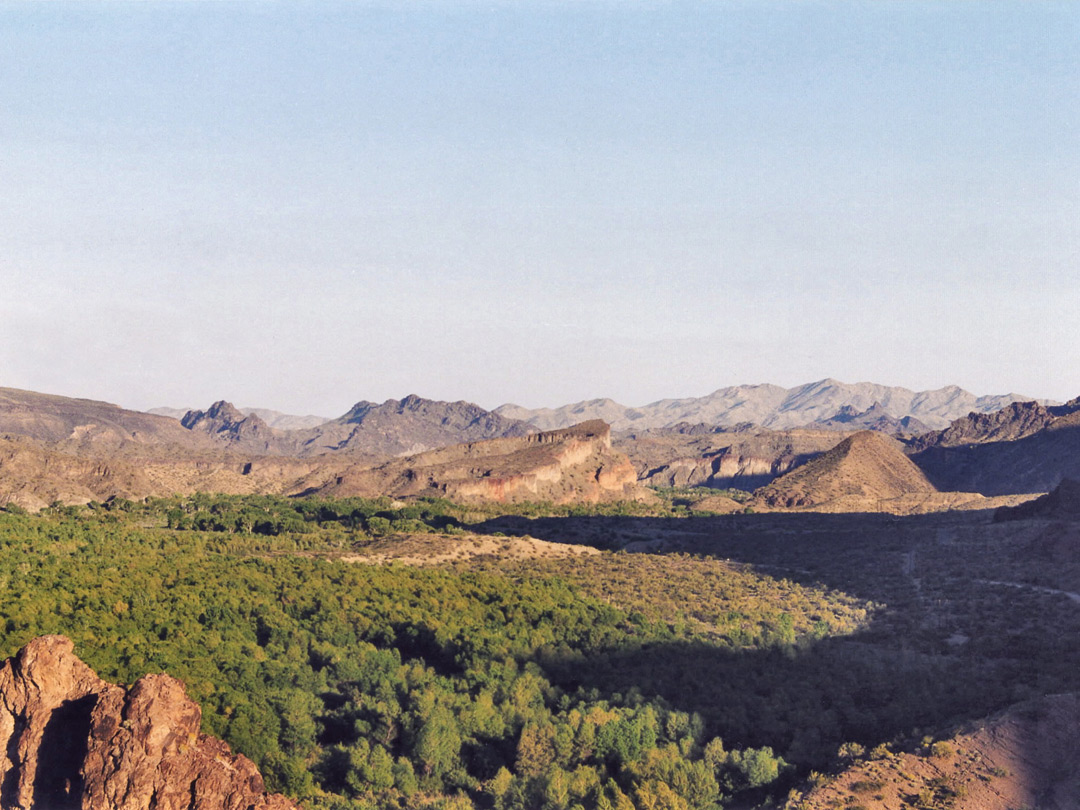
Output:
x,y
1024,447
873,418
407,426
1061,503
574,464
771,406
862,470
236,430
697,455
275,419
1028,756
393,428
1018,420
70,740
89,427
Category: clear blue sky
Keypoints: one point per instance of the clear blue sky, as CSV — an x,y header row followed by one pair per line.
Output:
x,y
298,206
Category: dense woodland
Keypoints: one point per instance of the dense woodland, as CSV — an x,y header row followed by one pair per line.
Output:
x,y
610,681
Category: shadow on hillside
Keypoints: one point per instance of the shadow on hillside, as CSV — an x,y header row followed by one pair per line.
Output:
x,y
861,554
803,701
945,644
1035,463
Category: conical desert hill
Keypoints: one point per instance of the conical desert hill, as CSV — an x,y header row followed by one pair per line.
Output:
x,y
863,469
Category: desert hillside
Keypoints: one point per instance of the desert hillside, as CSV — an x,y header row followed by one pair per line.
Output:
x,y
860,471
1025,447
740,458
393,428
572,464
1027,756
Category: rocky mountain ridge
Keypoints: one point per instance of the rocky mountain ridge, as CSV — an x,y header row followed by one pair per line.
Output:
x,y
70,740
1024,447
873,418
89,427
574,464
275,419
393,428
772,406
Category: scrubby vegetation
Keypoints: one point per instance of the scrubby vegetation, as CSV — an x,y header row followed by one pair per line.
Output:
x,y
388,686
604,680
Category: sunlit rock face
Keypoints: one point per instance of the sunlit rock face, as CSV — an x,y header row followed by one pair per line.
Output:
x,y
70,740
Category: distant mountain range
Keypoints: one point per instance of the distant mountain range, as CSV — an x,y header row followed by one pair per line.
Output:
x,y
60,448
274,419
393,428
777,408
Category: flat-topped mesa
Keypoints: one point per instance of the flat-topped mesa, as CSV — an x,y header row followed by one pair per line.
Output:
x,y
69,740
593,431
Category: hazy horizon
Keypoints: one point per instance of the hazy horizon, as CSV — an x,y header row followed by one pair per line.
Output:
x,y
297,206
256,406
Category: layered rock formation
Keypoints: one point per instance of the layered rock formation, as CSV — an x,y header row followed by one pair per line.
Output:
x,y
575,464
70,740
32,476
741,459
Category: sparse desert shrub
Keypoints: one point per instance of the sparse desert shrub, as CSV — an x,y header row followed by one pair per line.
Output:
x,y
942,750
817,779
850,751
866,786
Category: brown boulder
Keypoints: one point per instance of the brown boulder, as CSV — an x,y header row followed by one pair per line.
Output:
x,y
70,740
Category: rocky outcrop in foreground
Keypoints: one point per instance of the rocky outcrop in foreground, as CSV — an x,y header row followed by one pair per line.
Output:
x,y
70,740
